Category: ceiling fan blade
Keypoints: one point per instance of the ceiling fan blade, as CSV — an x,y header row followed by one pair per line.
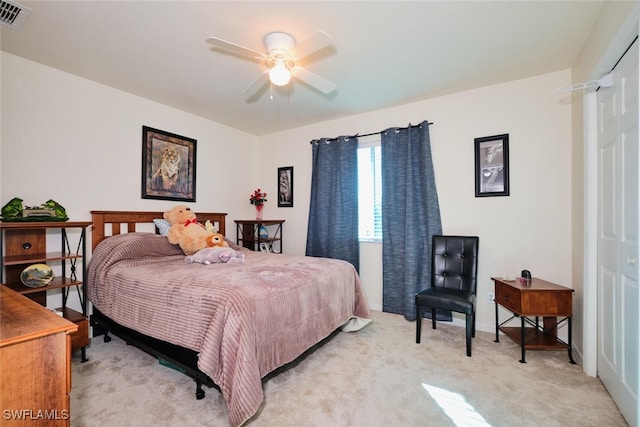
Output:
x,y
316,41
234,48
258,82
314,80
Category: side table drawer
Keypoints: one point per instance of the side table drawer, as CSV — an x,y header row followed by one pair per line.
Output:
x,y
508,297
80,338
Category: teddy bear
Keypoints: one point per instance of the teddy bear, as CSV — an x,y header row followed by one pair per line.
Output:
x,y
216,239
188,233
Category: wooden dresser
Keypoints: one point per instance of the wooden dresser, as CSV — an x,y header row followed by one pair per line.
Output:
x,y
35,363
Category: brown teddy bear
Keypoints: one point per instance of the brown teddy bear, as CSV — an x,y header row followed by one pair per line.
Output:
x,y
188,233
216,239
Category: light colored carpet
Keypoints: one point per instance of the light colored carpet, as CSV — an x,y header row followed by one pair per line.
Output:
x,y
375,377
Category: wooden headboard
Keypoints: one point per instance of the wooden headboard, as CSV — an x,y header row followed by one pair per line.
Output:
x,y
103,219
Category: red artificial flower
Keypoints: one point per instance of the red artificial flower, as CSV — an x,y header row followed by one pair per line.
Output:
x,y
258,197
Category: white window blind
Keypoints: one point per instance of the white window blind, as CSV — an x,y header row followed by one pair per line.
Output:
x,y
369,191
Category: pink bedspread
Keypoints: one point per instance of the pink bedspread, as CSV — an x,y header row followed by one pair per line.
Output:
x,y
244,319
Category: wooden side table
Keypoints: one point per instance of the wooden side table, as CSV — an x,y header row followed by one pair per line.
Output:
x,y
248,234
535,298
35,362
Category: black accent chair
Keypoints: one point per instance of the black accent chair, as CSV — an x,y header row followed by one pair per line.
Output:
x,y
454,271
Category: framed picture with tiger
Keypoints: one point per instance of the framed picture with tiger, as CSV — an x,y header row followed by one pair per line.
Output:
x,y
168,166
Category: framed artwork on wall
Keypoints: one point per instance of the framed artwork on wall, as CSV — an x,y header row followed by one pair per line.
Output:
x,y
492,165
285,187
168,166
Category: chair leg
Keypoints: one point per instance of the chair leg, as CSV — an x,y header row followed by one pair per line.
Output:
x,y
433,318
468,332
473,331
418,323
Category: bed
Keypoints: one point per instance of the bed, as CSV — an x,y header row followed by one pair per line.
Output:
x,y
226,325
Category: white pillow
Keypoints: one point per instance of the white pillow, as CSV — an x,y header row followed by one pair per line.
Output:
x,y
163,226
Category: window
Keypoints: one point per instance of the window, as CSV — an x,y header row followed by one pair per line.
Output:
x,y
369,192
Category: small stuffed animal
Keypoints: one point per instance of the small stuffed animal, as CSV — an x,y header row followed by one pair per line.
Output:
x,y
209,226
186,231
215,255
216,239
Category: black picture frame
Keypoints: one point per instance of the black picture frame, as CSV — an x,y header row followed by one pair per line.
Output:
x,y
285,187
168,166
492,165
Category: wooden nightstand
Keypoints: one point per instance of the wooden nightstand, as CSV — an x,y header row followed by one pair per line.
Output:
x,y
535,298
249,236
35,362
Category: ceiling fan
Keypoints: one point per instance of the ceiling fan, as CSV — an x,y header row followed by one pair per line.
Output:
x,y
282,59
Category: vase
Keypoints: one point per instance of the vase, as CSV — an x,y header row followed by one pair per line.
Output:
x,y
259,212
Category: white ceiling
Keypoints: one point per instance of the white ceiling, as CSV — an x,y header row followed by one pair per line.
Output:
x,y
384,53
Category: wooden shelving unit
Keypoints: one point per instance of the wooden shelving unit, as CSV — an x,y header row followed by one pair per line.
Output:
x,y
25,243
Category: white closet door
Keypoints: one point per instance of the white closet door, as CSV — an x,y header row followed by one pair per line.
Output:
x,y
618,241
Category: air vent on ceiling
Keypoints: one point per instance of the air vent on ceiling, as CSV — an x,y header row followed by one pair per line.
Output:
x,y
13,14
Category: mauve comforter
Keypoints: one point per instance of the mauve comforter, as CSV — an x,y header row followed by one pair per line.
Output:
x,y
244,319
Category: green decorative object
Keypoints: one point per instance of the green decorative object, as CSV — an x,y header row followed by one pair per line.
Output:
x,y
50,211
57,208
35,219
12,209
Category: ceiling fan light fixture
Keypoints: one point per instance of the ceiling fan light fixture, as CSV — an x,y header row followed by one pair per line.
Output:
x,y
281,60
279,74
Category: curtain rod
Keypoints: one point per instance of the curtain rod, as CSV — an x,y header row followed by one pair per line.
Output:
x,y
376,133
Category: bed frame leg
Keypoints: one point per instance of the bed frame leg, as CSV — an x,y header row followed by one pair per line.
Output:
x,y
199,390
106,338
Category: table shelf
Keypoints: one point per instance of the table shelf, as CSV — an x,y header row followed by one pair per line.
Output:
x,y
534,338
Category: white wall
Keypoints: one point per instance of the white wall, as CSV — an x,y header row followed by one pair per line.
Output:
x,y
79,143
529,229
